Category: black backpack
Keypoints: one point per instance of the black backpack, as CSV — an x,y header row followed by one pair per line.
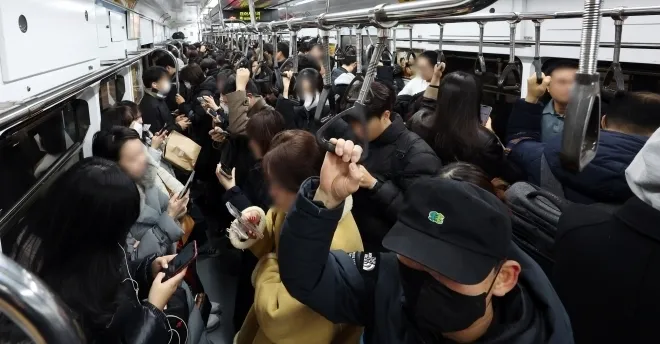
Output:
x,y
535,214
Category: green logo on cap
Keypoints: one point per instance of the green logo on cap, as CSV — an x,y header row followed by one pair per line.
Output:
x,y
436,217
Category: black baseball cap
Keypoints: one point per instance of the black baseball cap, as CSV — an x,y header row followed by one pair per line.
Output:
x,y
452,227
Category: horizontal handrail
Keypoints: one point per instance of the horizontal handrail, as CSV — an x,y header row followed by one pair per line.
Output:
x,y
402,12
60,93
435,11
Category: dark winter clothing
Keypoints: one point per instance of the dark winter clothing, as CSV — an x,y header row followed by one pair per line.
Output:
x,y
338,72
603,180
297,117
202,123
606,271
252,192
364,289
156,113
397,158
489,154
133,322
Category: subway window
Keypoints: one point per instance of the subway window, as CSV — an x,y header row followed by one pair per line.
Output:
x,y
136,76
112,91
34,152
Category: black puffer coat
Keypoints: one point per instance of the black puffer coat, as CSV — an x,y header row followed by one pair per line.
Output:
x,y
397,158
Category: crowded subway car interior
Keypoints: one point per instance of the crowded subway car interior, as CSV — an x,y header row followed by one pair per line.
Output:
x,y
329,171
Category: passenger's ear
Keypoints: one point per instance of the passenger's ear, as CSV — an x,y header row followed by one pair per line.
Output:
x,y
507,278
603,122
386,114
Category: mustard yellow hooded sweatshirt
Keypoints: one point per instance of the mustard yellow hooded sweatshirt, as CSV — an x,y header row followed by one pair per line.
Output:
x,y
276,317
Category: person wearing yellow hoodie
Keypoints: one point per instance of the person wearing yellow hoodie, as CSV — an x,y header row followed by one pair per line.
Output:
x,y
276,317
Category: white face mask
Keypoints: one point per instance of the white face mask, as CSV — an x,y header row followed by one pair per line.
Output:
x,y
311,100
138,127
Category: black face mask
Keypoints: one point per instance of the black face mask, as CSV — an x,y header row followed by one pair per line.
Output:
x,y
435,309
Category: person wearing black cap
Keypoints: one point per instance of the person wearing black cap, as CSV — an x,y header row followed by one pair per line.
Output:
x,y
397,158
454,276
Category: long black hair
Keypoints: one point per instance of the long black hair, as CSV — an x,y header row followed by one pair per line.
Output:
x,y
457,117
71,241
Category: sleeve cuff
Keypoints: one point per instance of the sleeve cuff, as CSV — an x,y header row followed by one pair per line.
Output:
x,y
305,202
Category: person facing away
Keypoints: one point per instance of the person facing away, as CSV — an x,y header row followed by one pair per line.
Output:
x,y
562,76
94,203
595,243
630,119
157,229
282,52
425,64
397,158
453,276
343,75
155,111
450,122
275,316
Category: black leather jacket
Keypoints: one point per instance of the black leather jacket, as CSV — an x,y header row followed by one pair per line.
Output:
x,y
133,322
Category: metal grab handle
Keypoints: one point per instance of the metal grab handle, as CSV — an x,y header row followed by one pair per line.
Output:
x,y
538,67
480,64
582,120
327,92
511,67
615,72
359,50
441,55
359,109
28,302
294,47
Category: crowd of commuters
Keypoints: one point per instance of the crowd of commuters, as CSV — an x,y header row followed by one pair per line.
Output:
x,y
410,243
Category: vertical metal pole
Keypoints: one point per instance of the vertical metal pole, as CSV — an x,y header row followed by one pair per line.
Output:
x,y
325,38
274,42
393,48
359,50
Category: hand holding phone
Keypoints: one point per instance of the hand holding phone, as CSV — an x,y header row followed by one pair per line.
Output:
x,y
242,226
181,261
485,113
186,188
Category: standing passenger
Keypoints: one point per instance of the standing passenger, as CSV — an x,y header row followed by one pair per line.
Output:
x,y
397,158
155,111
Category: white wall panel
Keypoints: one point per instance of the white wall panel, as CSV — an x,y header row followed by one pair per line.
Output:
x,y
103,26
118,26
60,28
146,31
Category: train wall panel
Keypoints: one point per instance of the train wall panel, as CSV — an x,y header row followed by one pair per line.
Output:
x,y
65,30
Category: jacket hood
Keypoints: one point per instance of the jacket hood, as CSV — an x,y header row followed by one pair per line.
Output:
x,y
643,174
604,178
539,316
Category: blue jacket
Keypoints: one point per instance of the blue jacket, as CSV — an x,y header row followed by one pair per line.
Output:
x,y
603,180
364,288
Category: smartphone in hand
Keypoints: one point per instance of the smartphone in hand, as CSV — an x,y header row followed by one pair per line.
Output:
x,y
181,261
485,113
241,226
188,185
